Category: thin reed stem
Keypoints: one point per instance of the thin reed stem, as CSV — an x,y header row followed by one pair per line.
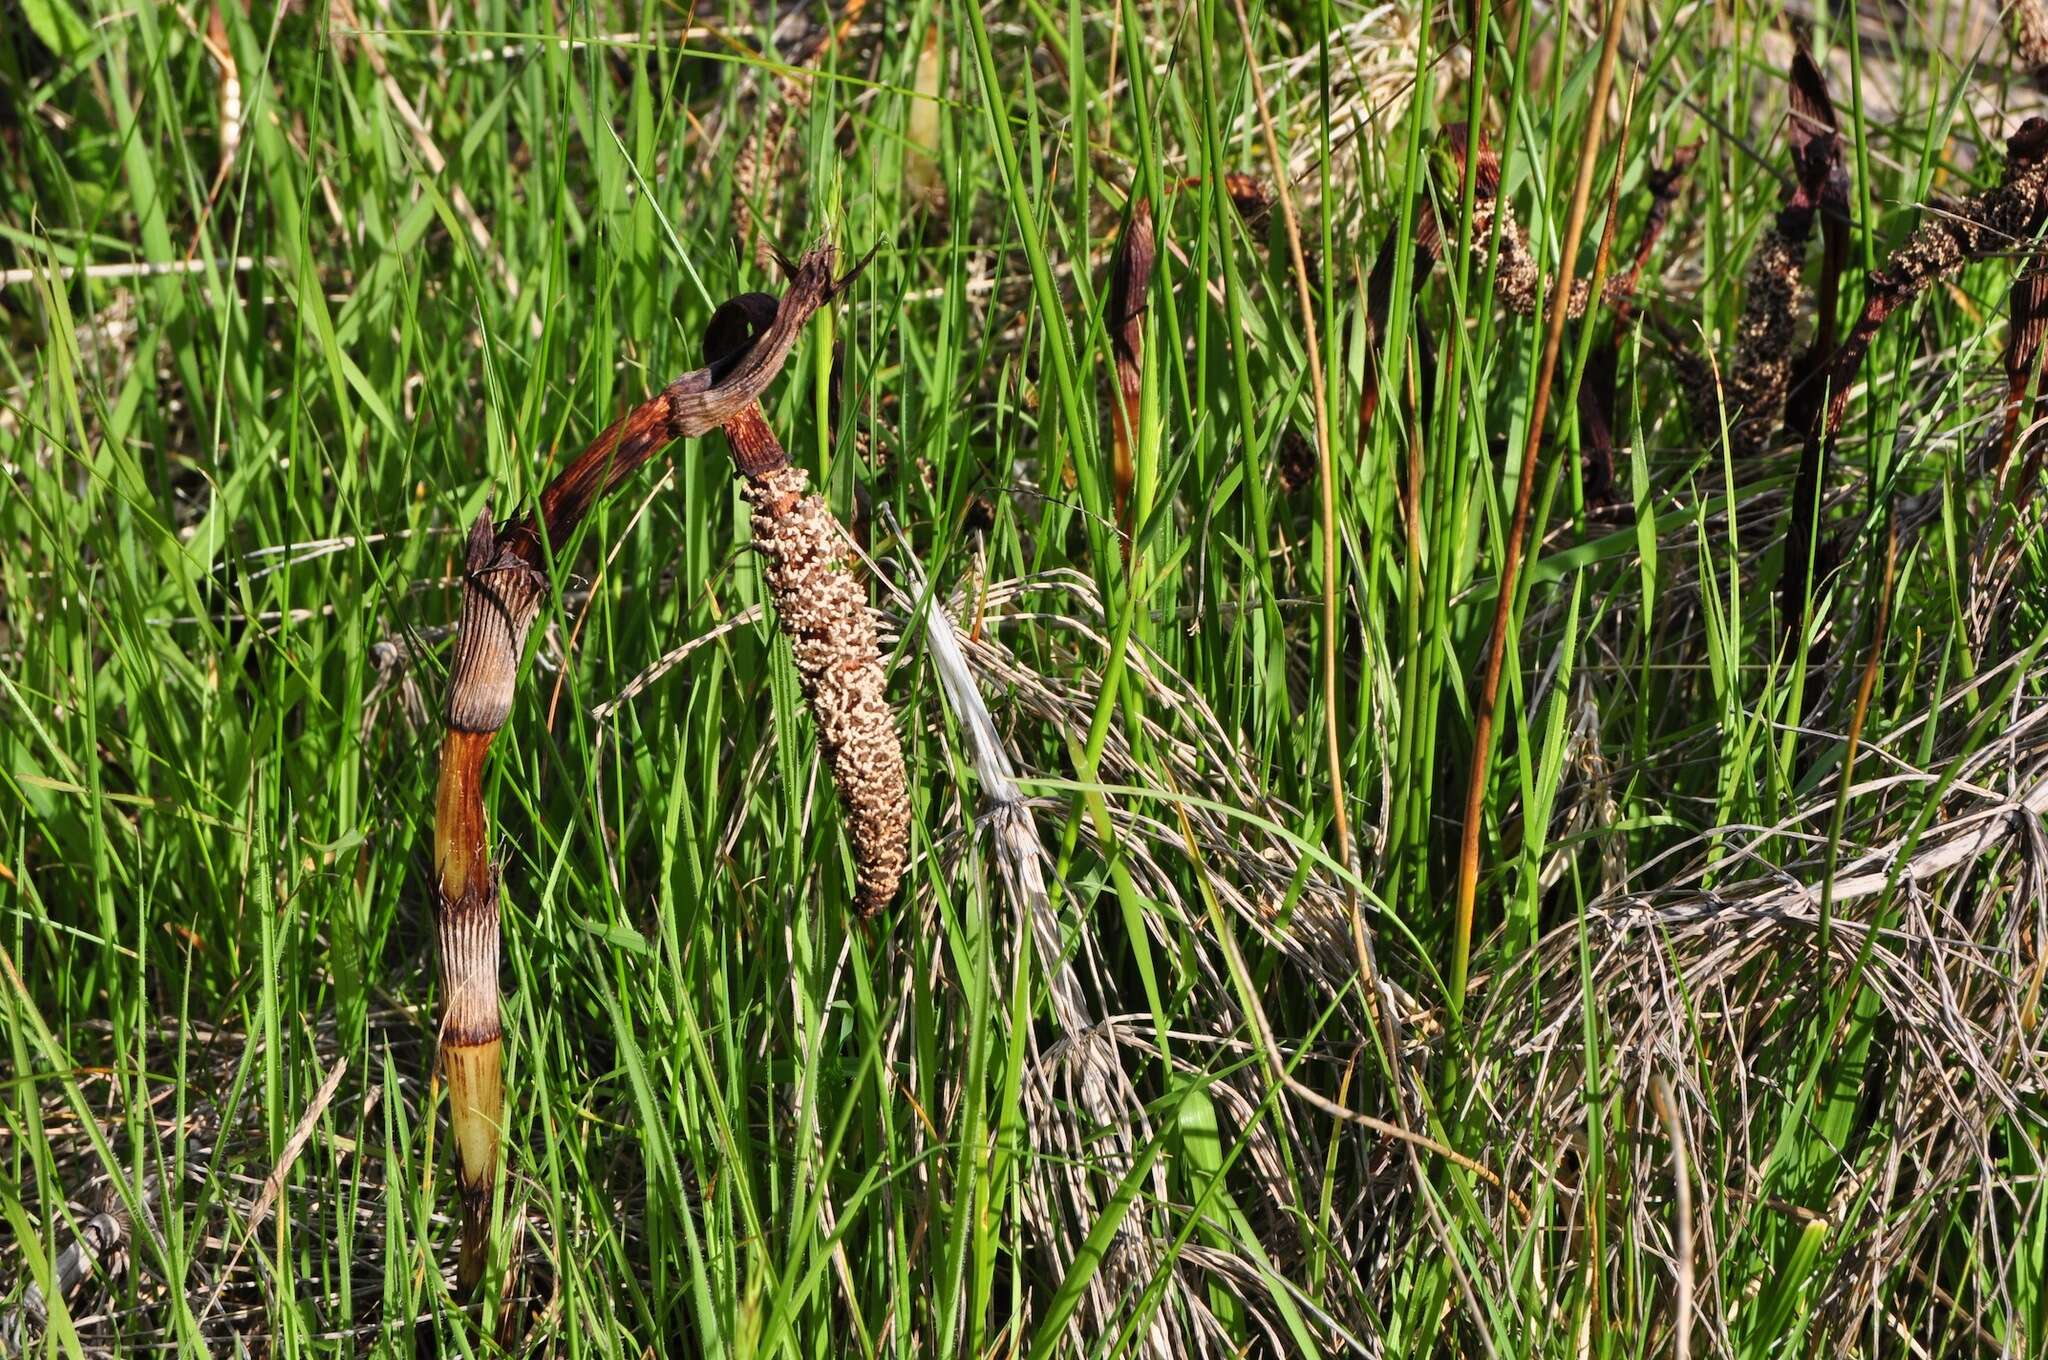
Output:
x,y
1503,607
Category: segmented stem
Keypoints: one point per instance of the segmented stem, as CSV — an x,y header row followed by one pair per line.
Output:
x,y
504,580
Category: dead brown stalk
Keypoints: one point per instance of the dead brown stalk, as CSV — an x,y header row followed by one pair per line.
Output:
x,y
1130,281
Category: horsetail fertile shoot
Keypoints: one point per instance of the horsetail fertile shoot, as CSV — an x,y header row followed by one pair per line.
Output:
x,y
504,581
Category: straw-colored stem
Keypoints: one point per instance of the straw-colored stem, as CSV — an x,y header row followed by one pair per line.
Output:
x,y
1504,602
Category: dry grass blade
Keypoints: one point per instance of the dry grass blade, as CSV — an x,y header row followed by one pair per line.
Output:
x,y
1666,1099
1065,1194
273,1184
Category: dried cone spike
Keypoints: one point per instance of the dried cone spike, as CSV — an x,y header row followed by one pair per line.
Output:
x,y
2026,24
1251,199
1516,279
1760,378
1774,293
822,609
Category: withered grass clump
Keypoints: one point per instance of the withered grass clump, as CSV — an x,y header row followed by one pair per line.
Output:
x,y
504,581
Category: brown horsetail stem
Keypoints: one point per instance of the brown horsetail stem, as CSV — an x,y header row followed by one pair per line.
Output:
x,y
2002,220
1130,279
504,581
2026,327
1760,392
1599,390
1814,134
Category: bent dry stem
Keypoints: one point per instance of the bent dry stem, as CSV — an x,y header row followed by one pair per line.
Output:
x,y
504,579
